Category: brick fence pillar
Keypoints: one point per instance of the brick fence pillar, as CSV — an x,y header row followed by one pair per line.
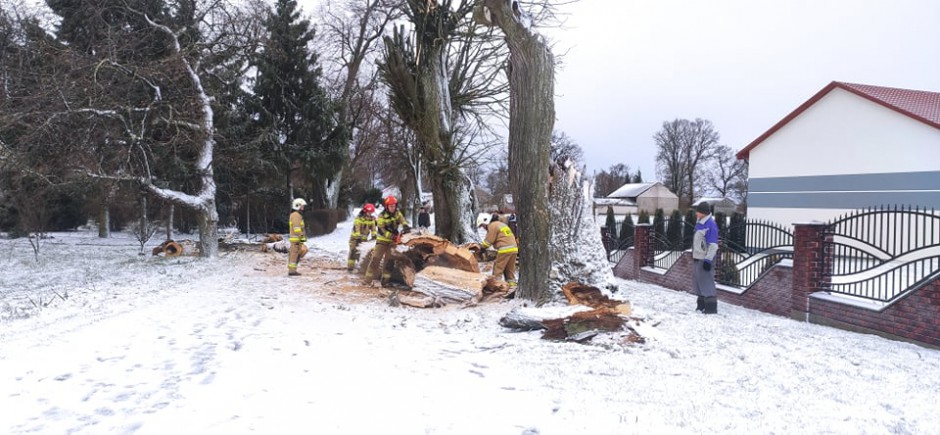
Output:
x,y
809,261
643,247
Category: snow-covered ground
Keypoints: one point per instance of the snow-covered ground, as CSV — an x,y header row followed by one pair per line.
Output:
x,y
96,339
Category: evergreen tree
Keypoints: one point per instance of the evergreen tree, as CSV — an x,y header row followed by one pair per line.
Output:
x,y
688,229
659,228
638,177
611,224
626,228
293,110
674,229
644,217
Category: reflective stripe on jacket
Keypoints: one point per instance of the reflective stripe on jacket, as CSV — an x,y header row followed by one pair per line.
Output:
x,y
297,233
500,236
388,226
363,227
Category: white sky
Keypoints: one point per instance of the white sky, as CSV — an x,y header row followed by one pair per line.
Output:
x,y
149,345
742,64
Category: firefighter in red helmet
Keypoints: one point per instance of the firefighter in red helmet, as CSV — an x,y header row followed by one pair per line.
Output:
x,y
387,236
363,228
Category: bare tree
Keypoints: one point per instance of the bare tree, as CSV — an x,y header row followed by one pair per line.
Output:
x,y
728,175
351,32
140,117
422,92
609,180
684,147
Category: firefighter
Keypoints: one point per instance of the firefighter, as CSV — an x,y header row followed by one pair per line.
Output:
x,y
297,237
363,229
501,238
387,235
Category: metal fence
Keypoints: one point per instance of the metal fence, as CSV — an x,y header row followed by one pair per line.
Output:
x,y
747,249
881,253
616,248
670,241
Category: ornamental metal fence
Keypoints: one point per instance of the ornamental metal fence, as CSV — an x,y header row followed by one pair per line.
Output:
x,y
748,249
881,253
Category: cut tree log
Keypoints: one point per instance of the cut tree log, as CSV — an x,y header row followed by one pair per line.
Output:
x,y
168,248
437,251
449,285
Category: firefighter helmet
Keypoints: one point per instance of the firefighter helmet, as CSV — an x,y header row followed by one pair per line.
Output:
x,y
390,200
368,208
298,203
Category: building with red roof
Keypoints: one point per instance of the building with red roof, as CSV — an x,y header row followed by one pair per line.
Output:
x,y
849,146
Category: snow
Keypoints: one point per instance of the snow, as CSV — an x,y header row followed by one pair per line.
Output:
x,y
122,343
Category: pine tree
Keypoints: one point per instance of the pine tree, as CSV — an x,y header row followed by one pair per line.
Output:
x,y
644,217
293,108
611,224
638,177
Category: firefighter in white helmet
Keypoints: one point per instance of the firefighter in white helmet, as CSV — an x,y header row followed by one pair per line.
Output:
x,y
297,237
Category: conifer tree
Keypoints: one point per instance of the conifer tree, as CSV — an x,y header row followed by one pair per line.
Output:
x,y
611,224
293,110
626,228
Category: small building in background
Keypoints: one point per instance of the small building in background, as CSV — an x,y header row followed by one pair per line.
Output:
x,y
635,197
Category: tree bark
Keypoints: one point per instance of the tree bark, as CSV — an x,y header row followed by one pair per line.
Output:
x,y
531,121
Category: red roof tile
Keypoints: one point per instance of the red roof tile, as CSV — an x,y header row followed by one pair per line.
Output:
x,y
923,106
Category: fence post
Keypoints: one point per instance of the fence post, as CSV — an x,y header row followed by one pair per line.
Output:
x,y
808,265
642,247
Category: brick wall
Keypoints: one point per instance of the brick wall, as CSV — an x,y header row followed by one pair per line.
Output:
x,y
787,291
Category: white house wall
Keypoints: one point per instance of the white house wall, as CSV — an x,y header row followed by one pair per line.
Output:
x,y
843,153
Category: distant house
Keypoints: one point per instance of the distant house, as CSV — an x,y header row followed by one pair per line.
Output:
x,y
848,147
726,206
634,197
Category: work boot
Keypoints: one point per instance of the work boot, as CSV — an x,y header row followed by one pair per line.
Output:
x,y
700,303
711,306
293,273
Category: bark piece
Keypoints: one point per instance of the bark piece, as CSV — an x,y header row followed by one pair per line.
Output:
x,y
582,326
578,294
529,319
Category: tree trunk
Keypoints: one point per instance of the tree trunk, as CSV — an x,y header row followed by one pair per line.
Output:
x,y
531,121
169,222
454,205
104,221
454,198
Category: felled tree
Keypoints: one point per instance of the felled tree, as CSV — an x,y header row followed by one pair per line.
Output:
x,y
577,250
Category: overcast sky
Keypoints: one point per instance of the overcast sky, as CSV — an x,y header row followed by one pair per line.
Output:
x,y
630,65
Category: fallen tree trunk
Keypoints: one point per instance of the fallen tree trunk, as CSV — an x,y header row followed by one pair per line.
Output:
x,y
436,251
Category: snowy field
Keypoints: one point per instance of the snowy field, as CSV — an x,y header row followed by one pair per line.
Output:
x,y
96,339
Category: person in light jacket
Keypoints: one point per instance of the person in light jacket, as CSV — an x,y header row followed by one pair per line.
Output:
x,y
704,249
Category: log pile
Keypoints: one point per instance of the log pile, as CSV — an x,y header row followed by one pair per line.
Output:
x,y
434,272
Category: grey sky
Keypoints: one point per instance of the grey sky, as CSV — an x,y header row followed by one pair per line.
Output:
x,y
742,64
